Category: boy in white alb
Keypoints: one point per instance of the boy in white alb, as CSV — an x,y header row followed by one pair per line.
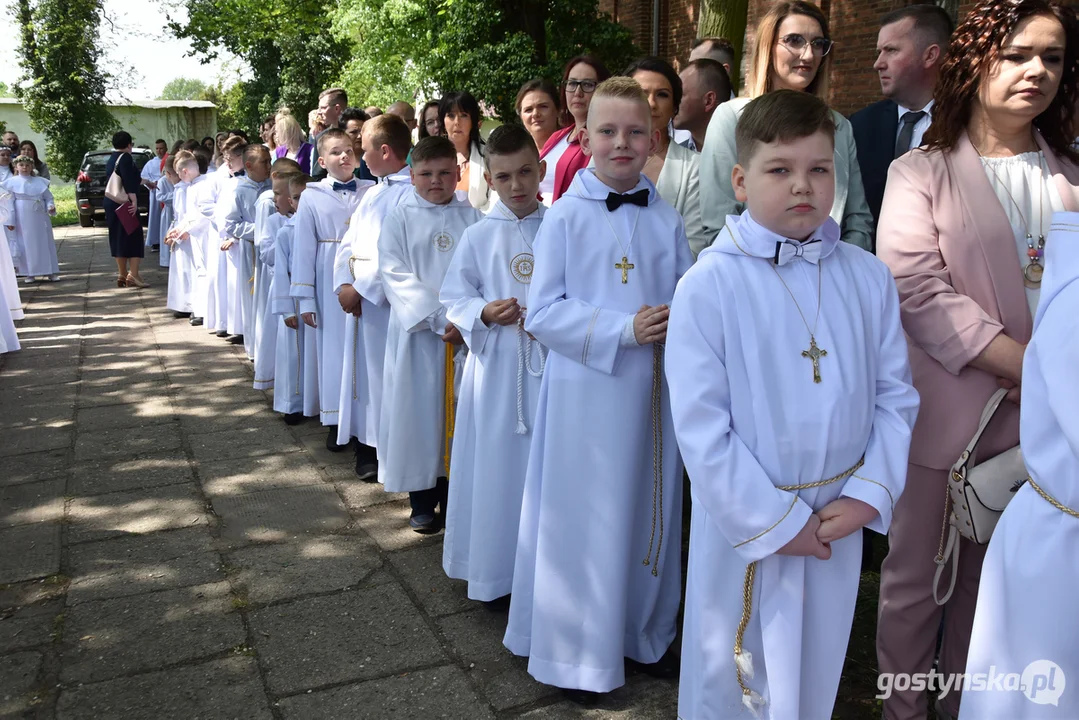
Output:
x,y
485,294
223,257
239,227
597,575
386,143
1025,621
166,195
267,222
793,407
320,222
415,248
188,238
151,174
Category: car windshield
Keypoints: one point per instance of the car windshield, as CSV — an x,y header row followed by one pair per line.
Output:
x,y
94,164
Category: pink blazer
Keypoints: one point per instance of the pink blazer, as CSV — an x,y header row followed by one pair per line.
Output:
x,y
952,251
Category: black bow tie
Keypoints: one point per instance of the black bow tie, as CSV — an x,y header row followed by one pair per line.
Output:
x,y
615,200
350,186
239,173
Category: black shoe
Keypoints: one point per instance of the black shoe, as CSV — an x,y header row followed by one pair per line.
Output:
x,y
222,333
498,605
442,486
181,315
584,698
294,418
331,440
366,463
666,668
155,248
195,321
237,339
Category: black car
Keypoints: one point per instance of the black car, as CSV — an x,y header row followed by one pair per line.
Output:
x,y
90,186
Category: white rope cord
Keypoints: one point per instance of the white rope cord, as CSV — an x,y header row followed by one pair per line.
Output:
x,y
524,363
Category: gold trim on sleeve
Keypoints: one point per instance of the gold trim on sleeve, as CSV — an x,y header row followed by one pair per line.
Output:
x,y
588,337
891,499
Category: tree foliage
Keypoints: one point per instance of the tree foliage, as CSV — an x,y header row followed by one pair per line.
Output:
x,y
286,43
182,88
63,90
488,47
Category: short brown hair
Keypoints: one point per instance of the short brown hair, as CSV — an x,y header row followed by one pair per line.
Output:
x,y
187,157
507,140
338,96
389,129
332,134
717,46
298,179
234,145
284,166
782,115
759,77
255,152
434,147
622,88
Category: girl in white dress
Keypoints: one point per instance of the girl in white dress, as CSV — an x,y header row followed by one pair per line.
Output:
x,y
32,226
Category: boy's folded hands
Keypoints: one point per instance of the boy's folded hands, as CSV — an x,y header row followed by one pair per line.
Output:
x,y
834,521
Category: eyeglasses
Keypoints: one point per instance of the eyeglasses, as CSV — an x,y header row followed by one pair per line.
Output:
x,y
796,44
587,86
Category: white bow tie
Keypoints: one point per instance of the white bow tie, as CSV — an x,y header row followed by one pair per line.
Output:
x,y
787,251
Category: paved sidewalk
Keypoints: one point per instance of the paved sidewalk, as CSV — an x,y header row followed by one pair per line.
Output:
x,y
170,549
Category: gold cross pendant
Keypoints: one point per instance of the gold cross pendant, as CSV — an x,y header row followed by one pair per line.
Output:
x,y
625,266
814,353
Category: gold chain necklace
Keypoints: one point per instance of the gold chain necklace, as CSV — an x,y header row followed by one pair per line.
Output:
x,y
1032,273
813,353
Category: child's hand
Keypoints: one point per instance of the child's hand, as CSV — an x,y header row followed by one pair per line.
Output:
x,y
453,335
52,211
349,299
10,227
843,516
226,245
309,319
501,312
807,543
183,236
650,324
292,322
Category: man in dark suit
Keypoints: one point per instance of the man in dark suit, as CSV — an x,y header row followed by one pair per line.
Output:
x,y
911,46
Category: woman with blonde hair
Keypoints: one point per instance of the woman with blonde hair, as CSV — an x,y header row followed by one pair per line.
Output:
x,y
792,52
290,140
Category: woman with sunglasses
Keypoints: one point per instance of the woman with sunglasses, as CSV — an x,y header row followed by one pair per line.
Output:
x,y
562,151
792,52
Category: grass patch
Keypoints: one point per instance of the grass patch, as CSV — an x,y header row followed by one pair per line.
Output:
x,y
67,212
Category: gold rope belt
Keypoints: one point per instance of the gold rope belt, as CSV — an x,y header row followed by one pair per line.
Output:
x,y
449,410
657,457
1051,500
751,573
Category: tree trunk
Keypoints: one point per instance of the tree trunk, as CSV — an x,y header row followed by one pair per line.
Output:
x,y
726,19
530,18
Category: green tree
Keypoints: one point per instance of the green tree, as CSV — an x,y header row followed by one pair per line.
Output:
x,y
288,46
63,90
488,47
5,91
182,88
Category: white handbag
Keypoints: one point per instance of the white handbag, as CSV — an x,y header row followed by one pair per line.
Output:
x,y
114,189
976,497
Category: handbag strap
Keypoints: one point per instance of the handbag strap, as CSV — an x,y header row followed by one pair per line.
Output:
x,y
987,414
952,550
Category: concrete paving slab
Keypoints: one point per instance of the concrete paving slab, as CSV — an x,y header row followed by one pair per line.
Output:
x,y
421,568
119,474
387,524
316,447
29,552
476,638
105,639
19,441
277,515
32,502
19,674
218,690
254,474
357,635
440,692
242,442
29,626
136,512
130,415
220,418
127,442
34,467
145,563
637,700
119,393
358,494
304,566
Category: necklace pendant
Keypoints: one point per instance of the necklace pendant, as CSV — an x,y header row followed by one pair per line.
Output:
x,y
814,354
625,266
1032,275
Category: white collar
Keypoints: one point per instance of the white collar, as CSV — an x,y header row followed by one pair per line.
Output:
x,y
928,110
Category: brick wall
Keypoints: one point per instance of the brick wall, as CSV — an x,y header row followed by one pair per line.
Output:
x,y
853,24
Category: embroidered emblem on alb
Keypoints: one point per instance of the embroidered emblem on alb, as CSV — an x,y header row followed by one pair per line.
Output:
x,y
444,242
521,267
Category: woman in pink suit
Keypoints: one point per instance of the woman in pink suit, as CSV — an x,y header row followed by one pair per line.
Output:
x,y
962,229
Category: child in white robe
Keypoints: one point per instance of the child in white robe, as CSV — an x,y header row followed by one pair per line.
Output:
x,y
386,142
239,226
32,226
596,580
415,247
320,223
793,407
7,228
10,302
1025,621
223,257
485,294
194,201
264,323
151,174
296,368
166,194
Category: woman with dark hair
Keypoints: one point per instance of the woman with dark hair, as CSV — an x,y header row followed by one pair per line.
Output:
x,y
429,125
459,114
207,145
28,148
793,52
963,228
673,169
126,247
563,153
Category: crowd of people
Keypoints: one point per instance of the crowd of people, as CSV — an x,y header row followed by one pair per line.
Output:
x,y
825,319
